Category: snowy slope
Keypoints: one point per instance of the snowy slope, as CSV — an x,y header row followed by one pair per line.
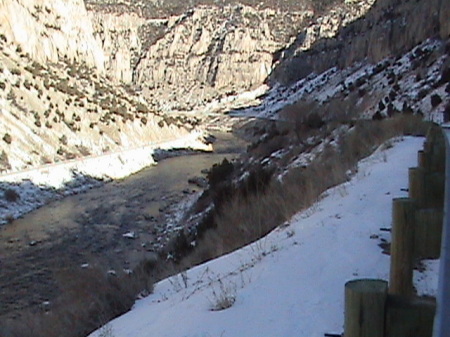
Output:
x,y
398,82
290,283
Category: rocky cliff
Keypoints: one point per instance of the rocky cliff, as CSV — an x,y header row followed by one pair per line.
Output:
x,y
65,110
188,59
181,55
51,30
65,63
207,52
389,28
121,41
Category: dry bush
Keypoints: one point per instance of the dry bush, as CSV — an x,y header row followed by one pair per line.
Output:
x,y
7,138
301,116
11,195
223,297
89,298
4,161
271,144
246,217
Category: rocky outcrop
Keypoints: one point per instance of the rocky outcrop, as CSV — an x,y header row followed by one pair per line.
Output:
x,y
56,112
182,58
390,28
51,30
120,41
208,52
212,51
191,58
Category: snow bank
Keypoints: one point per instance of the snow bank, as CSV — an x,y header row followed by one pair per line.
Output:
x,y
290,283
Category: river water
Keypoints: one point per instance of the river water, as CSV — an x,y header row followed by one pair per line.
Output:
x,y
118,223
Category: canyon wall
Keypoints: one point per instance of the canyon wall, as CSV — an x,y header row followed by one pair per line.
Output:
x,y
51,30
183,58
389,28
186,60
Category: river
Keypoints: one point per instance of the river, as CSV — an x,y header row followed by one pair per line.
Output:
x,y
116,225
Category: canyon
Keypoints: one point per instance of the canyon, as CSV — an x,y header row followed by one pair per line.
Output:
x,y
101,82
88,78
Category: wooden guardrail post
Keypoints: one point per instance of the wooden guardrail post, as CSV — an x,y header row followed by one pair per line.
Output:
x,y
365,306
442,320
412,316
416,191
426,188
402,246
434,190
428,233
422,159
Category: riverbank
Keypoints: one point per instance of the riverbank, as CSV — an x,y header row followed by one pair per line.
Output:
x,y
30,189
115,225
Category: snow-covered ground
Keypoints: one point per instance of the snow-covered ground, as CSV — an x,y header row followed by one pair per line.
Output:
x,y
290,283
39,186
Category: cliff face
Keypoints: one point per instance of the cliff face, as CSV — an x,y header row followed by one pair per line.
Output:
x,y
51,30
186,60
190,58
65,110
213,51
182,56
119,38
390,28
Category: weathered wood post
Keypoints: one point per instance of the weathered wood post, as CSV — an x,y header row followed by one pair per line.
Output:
x,y
365,305
422,159
402,247
412,316
437,162
434,190
428,233
442,320
416,191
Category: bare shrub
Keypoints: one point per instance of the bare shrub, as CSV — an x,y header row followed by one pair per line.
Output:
x,y
16,71
219,172
7,138
245,217
10,195
4,161
85,151
223,297
90,298
435,100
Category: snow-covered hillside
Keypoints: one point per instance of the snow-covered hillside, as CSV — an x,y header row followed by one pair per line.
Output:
x,y
405,84
290,283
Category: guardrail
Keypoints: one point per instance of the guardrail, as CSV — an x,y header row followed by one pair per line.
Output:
x,y
420,230
442,320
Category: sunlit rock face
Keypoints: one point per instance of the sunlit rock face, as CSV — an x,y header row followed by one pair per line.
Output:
x,y
51,30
